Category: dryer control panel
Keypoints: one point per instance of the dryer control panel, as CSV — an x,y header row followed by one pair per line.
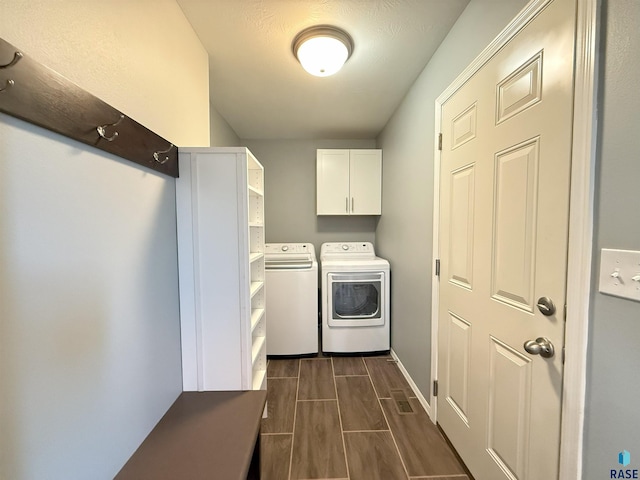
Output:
x,y
347,249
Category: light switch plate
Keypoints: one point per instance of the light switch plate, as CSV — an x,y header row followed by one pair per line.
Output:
x,y
620,273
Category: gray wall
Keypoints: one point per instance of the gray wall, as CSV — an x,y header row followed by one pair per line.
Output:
x,y
290,194
90,334
89,317
613,391
404,233
222,135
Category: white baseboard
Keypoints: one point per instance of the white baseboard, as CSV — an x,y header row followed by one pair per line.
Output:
x,y
412,384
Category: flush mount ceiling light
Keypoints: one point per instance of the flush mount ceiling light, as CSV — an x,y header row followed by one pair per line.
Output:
x,y
322,50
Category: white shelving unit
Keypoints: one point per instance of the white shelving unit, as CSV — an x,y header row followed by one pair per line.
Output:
x,y
220,208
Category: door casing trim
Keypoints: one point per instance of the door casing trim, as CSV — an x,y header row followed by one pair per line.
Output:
x,y
581,217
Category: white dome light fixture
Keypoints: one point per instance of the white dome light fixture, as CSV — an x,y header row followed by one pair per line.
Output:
x,y
322,50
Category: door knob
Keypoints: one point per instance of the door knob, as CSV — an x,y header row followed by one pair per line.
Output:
x,y
546,306
540,346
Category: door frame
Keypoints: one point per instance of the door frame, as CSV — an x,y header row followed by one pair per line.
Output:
x,y
581,216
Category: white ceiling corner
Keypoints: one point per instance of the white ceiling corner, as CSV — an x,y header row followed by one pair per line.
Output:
x,y
259,87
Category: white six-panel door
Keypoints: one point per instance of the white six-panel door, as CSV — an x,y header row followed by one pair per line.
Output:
x,y
504,204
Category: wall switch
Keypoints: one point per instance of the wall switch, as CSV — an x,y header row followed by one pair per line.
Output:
x,y
620,273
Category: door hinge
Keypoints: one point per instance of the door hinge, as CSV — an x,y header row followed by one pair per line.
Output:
x,y
440,141
437,267
435,388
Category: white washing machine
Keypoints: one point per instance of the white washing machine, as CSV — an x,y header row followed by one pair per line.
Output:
x,y
291,271
355,299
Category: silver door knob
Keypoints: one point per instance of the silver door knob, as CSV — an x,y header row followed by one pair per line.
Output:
x,y
546,306
540,346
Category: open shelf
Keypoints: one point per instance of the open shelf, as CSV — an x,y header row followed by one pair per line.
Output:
x,y
256,287
256,316
259,379
253,256
258,343
255,191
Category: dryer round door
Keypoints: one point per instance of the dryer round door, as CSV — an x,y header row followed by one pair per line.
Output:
x,y
356,299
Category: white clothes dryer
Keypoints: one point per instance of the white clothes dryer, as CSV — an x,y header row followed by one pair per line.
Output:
x,y
292,298
355,299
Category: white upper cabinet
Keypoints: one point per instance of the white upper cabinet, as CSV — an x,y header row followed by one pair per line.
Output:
x,y
332,180
349,182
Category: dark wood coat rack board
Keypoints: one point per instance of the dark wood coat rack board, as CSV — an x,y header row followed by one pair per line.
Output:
x,y
36,94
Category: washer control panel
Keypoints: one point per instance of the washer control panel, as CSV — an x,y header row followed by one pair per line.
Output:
x,y
289,248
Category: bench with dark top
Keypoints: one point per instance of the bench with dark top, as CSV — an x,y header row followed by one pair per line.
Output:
x,y
203,435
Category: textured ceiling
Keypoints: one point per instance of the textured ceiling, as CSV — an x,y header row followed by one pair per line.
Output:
x,y
259,87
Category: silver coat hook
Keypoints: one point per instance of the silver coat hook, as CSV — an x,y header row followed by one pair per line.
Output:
x,y
9,84
156,155
102,129
16,56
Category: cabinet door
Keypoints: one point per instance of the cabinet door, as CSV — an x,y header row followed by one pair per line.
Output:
x,y
365,173
332,182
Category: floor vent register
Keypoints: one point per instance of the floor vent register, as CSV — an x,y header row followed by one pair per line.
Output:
x,y
401,402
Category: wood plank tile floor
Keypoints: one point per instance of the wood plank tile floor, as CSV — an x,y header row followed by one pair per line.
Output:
x,y
349,418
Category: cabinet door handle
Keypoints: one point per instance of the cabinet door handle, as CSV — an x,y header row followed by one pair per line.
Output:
x,y
346,204
352,205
